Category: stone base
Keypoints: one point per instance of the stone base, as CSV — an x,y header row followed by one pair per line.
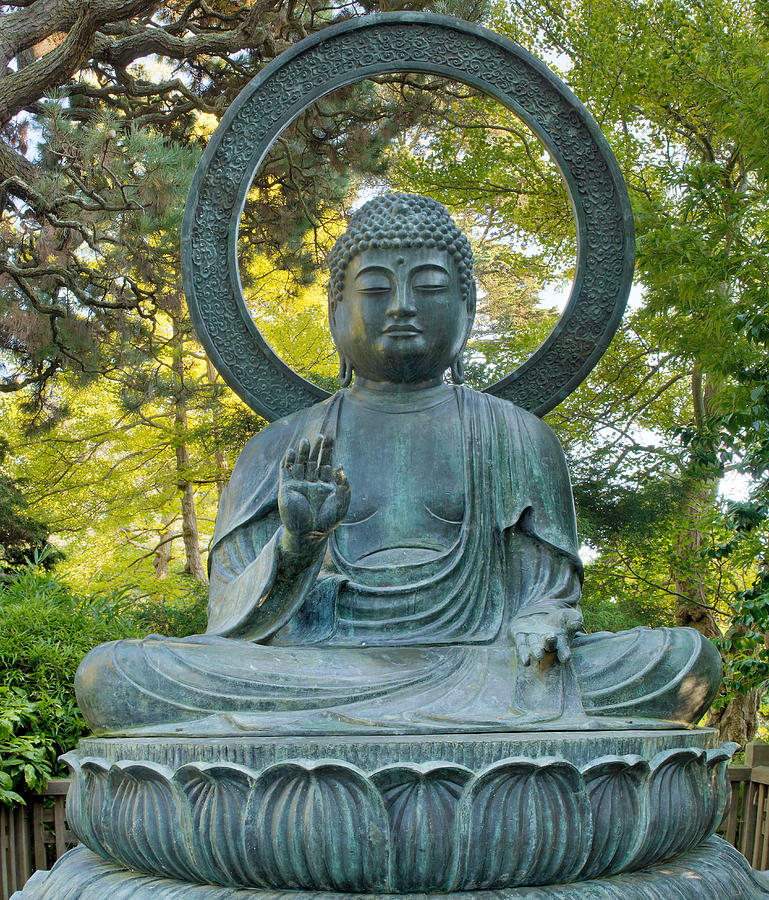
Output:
x,y
474,751
395,814
713,871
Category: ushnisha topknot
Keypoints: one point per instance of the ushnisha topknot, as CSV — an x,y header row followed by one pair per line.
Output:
x,y
391,221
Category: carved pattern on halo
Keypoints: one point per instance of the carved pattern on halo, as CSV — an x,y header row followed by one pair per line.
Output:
x,y
327,825
216,303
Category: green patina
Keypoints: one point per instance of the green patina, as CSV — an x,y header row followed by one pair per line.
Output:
x,y
401,557
394,693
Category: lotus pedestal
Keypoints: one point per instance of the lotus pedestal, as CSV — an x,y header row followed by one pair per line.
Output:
x,y
593,815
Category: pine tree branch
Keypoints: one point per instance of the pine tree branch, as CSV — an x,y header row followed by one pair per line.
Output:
x,y
31,82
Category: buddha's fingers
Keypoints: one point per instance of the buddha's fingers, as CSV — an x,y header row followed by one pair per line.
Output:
x,y
564,651
313,458
289,459
342,490
571,621
326,451
340,478
324,460
523,649
535,647
300,468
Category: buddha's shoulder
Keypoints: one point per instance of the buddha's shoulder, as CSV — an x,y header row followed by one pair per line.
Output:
x,y
512,418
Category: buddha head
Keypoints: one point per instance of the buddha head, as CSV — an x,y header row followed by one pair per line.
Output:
x,y
401,292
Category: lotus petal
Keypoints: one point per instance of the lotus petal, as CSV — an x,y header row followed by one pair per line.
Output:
x,y
148,819
615,785
719,789
421,801
522,822
217,793
316,825
86,801
679,807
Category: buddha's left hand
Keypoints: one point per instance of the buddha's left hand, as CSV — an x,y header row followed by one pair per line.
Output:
x,y
546,632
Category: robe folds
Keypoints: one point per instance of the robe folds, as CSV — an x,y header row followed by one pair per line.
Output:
x,y
422,647
517,546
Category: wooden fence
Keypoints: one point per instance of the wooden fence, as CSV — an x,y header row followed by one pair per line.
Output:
x,y
33,836
36,835
747,824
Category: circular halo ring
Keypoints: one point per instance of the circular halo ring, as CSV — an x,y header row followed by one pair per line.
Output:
x,y
384,44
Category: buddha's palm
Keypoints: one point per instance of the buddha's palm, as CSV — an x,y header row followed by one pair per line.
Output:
x,y
537,634
313,495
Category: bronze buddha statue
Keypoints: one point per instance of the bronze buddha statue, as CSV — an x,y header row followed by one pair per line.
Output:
x,y
402,557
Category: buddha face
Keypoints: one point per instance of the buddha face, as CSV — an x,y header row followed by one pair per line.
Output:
x,y
402,317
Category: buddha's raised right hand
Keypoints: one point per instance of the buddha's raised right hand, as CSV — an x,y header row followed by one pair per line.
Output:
x,y
313,495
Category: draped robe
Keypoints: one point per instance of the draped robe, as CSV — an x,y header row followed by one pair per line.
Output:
x,y
421,647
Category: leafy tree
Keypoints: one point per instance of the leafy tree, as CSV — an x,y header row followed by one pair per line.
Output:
x,y
99,79
678,90
22,536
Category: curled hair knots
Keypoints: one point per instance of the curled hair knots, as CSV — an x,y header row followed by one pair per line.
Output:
x,y
392,221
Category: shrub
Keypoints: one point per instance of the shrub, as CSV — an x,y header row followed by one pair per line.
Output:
x,y
45,631
25,758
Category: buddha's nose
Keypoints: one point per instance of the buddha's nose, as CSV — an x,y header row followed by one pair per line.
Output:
x,y
402,303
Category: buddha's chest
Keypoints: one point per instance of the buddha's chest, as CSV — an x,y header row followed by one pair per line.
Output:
x,y
406,473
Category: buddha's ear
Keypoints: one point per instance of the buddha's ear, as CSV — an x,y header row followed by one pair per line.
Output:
x,y
458,363
345,371
471,304
345,366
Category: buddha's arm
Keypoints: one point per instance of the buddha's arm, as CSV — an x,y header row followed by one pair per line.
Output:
x,y
261,573
544,569
551,580
548,616
256,584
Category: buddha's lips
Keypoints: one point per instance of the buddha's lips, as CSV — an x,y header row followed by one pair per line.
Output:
x,y
402,329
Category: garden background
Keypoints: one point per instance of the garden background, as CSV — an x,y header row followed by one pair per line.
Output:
x,y
116,434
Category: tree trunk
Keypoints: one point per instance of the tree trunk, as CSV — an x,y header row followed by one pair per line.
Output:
x,y
162,558
738,720
689,569
190,534
220,459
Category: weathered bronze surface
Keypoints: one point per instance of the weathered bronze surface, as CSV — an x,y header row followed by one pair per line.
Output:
x,y
403,556
395,694
456,814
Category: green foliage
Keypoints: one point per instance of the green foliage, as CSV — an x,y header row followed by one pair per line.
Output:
x,y
45,630
25,755
21,535
608,511
745,643
739,438
173,616
611,603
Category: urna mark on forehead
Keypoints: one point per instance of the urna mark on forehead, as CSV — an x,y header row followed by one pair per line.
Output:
x,y
399,221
